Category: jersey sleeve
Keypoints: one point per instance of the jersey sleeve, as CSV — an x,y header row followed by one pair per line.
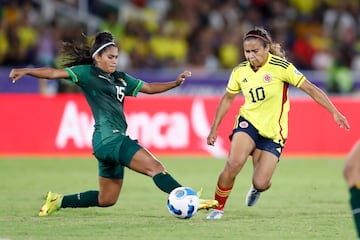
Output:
x,y
294,76
75,72
73,76
233,85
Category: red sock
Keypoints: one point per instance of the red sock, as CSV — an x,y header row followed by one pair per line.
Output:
x,y
221,195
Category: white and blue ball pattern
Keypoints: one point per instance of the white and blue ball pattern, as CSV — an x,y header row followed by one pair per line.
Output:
x,y
183,202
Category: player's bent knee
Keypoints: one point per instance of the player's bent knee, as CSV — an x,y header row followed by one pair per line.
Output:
x,y
349,174
346,172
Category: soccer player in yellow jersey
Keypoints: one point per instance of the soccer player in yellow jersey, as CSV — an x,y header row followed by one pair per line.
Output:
x,y
352,178
261,127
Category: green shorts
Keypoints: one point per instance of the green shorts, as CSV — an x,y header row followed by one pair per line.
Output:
x,y
114,156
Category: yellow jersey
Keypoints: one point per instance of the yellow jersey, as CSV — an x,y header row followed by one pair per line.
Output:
x,y
266,103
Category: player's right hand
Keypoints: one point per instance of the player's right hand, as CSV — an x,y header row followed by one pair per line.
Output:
x,y
211,139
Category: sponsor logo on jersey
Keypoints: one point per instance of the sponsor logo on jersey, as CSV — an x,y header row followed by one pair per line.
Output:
x,y
244,80
103,77
243,124
267,77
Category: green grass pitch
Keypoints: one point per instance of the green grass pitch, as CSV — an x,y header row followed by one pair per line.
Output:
x,y
308,200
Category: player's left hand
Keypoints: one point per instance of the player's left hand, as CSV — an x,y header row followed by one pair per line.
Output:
x,y
181,78
341,121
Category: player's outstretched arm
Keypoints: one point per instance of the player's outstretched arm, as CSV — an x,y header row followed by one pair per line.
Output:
x,y
47,73
320,97
152,88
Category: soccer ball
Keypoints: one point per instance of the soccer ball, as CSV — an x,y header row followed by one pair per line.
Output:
x,y
183,202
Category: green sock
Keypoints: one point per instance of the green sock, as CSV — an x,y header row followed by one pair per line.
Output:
x,y
81,200
165,182
355,206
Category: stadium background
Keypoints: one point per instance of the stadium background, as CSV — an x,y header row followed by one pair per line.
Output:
x,y
158,39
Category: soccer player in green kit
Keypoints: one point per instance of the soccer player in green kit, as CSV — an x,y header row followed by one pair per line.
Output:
x,y
93,69
352,178
261,127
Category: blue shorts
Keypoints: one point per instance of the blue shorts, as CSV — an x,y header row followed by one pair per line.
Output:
x,y
262,143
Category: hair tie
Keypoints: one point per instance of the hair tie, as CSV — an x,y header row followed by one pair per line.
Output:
x,y
102,47
256,36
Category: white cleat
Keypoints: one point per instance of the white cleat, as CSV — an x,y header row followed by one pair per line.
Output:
x,y
252,196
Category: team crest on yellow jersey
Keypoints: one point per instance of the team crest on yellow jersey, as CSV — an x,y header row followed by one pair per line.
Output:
x,y
267,77
243,124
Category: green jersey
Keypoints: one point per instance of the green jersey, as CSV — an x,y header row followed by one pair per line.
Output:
x,y
105,94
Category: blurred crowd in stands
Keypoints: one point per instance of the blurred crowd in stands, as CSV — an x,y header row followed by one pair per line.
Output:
x,y
200,35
